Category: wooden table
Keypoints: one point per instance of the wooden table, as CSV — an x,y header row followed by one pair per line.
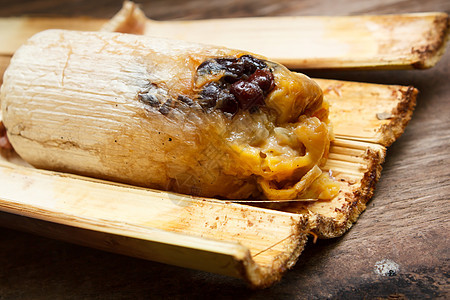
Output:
x,y
404,229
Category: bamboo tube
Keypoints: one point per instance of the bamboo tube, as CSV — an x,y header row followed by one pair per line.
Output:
x,y
148,223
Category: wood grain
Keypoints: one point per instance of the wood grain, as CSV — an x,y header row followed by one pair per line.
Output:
x,y
406,222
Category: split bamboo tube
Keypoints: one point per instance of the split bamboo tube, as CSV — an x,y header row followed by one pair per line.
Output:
x,y
254,243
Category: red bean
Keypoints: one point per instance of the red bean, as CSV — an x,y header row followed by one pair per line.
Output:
x,y
251,64
245,84
209,95
264,79
247,93
228,104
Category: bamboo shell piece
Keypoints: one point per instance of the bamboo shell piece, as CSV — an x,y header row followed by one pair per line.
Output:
x,y
256,244
371,113
207,234
359,149
405,41
414,40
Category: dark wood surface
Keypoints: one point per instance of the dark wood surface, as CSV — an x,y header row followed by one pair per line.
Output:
x,y
406,224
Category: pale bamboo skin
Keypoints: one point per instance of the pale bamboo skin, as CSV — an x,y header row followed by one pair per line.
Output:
x,y
401,41
70,103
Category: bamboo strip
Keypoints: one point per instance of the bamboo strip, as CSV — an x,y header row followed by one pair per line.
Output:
x,y
375,42
224,261
368,112
258,241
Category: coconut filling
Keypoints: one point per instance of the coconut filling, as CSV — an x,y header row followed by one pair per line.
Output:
x,y
281,136
286,159
288,162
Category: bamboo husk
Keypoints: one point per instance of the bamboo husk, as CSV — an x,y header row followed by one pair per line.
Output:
x,y
254,243
372,42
